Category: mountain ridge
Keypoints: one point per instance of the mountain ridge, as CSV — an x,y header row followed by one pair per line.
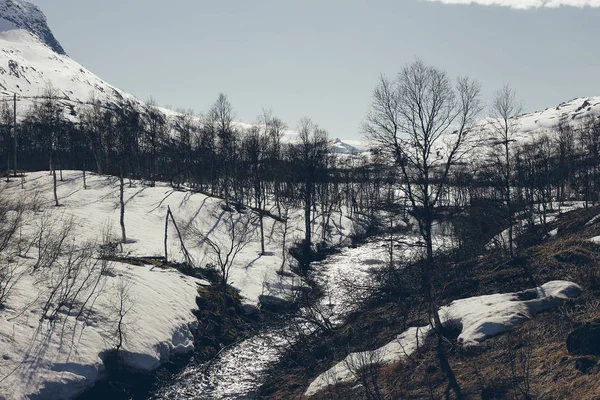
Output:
x,y
31,59
25,15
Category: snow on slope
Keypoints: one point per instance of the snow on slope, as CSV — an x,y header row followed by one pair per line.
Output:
x,y
531,126
21,14
162,299
31,59
55,361
478,317
27,67
146,208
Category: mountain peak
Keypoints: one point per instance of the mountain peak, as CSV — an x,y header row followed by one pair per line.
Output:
x,y
340,147
20,14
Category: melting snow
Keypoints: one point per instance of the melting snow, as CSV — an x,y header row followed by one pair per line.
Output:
x,y
480,317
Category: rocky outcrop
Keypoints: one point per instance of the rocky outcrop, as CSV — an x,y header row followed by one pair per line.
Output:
x,y
24,15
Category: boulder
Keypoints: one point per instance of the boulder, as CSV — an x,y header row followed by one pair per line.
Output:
x,y
585,340
250,309
585,364
274,304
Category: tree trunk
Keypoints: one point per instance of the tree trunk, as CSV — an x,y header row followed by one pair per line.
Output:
x,y
166,233
428,277
283,242
307,229
262,233
54,184
122,204
445,367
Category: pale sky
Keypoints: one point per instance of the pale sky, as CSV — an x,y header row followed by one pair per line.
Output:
x,y
322,58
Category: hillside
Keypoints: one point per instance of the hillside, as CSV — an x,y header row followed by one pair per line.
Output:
x,y
31,59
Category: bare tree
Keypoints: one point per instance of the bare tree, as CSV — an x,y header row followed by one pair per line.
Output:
x,y
122,207
11,220
423,121
365,367
309,156
255,146
565,141
505,125
220,119
224,250
284,213
122,306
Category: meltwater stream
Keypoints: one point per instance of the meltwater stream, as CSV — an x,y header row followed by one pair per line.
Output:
x,y
238,371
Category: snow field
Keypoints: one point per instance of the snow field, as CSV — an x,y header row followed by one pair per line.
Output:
x,y
63,357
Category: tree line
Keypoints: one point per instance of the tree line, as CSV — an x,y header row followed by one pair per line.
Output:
x,y
423,127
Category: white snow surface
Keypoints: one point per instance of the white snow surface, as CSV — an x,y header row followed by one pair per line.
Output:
x,y
60,360
479,317
38,360
595,239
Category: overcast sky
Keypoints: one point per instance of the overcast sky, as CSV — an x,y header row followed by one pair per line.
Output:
x,y
321,58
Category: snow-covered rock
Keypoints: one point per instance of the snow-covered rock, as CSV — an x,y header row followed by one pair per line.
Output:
x,y
19,14
595,239
479,318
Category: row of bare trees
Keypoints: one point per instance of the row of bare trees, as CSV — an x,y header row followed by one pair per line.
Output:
x,y
423,123
448,161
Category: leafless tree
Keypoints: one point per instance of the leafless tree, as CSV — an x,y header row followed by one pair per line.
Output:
x,y
220,120
51,233
223,251
365,367
423,121
122,305
283,228
11,221
565,141
309,156
70,278
505,125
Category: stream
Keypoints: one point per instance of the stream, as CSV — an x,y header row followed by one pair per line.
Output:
x,y
238,371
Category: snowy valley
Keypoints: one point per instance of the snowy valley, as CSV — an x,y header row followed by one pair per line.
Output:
x,y
451,252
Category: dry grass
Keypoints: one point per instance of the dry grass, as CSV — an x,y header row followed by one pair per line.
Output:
x,y
484,372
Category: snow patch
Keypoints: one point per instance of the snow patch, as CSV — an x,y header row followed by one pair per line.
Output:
x,y
481,317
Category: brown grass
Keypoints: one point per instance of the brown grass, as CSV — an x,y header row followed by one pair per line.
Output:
x,y
484,372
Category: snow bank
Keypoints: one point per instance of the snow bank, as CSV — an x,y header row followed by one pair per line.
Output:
x,y
146,207
61,359
485,316
592,221
595,239
480,317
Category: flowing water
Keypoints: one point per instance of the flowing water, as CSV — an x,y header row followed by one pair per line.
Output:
x,y
238,371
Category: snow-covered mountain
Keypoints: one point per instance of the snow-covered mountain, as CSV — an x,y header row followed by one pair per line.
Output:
x,y
530,125
23,15
31,59
341,147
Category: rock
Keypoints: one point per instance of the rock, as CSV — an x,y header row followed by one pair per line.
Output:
x,y
585,364
272,303
250,309
585,340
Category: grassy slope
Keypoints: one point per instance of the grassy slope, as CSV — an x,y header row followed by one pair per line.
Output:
x,y
537,348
